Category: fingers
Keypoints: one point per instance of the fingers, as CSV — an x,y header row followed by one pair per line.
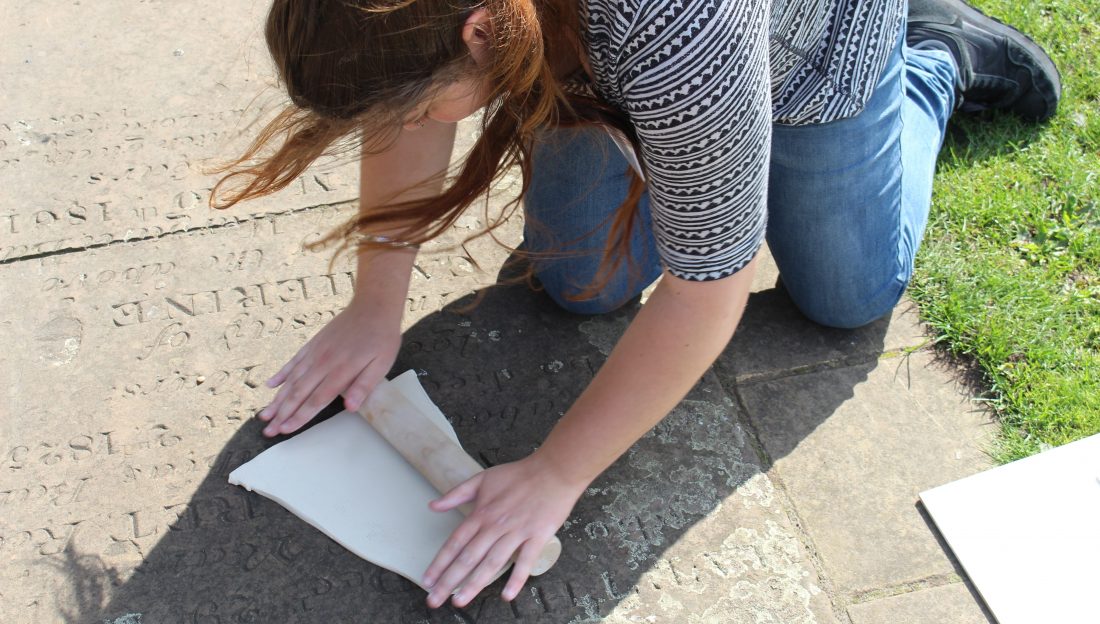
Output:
x,y
288,370
461,494
350,355
303,384
280,396
307,396
313,382
452,549
528,556
463,561
278,404
474,554
490,567
363,385
518,507
287,403
281,376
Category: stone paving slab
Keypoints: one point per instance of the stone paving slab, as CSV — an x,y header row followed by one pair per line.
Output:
x,y
130,368
854,446
946,604
133,401
105,131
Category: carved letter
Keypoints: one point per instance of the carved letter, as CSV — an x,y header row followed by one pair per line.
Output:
x,y
172,303
291,289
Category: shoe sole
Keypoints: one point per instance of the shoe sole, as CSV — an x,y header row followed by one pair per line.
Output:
x,y
1023,51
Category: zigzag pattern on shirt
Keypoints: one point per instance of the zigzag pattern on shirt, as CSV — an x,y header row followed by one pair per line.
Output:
x,y
703,80
698,93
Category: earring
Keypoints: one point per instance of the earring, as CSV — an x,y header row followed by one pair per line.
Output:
x,y
419,123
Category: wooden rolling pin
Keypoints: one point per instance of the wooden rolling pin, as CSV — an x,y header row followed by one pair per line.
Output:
x,y
428,449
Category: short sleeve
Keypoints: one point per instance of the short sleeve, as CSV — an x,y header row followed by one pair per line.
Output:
x,y
693,76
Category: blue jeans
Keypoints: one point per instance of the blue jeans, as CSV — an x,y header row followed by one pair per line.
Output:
x,y
848,201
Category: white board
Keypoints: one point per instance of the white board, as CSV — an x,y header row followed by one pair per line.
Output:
x,y
1028,534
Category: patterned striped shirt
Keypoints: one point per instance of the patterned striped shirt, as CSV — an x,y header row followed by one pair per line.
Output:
x,y
703,80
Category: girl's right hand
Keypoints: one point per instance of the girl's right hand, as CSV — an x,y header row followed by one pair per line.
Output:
x,y
349,356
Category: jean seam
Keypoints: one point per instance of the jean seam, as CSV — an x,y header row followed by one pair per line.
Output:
x,y
900,268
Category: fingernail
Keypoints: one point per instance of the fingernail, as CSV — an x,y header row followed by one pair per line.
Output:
x,y
460,597
428,581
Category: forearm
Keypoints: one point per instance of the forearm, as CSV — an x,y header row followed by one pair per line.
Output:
x,y
382,283
676,336
412,168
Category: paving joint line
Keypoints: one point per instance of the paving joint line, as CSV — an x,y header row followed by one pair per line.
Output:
x,y
754,438
836,599
928,582
165,235
827,365
789,509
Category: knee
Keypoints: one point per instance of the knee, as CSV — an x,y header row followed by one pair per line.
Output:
x,y
565,279
849,310
600,304
845,318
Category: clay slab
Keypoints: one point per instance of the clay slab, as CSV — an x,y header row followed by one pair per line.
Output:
x,y
342,477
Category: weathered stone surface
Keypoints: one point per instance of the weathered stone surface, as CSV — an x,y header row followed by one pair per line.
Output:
x,y
946,604
743,562
105,131
118,148
130,370
138,367
854,446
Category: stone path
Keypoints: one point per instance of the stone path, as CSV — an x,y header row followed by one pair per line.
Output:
x,y
139,325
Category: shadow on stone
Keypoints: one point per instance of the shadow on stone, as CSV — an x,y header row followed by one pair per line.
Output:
x,y
503,372
854,424
91,583
775,341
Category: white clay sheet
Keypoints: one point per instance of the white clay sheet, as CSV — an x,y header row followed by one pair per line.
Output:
x,y
343,478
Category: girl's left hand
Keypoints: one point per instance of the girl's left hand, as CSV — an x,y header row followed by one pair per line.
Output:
x,y
518,507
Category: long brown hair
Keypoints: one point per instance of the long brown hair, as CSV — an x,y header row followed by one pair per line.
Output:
x,y
357,68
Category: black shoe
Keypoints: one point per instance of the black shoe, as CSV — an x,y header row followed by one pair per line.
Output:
x,y
999,67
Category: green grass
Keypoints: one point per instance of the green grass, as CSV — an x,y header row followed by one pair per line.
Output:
x,y
1009,272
